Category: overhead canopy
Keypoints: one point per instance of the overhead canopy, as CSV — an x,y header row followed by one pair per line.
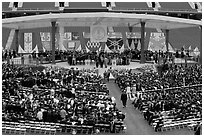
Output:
x,y
102,18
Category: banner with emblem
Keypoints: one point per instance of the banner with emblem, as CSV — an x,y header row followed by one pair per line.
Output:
x,y
114,43
98,33
157,42
71,40
46,40
28,42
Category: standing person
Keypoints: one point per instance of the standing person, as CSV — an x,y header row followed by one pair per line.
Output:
x,y
97,61
128,90
124,99
101,61
105,62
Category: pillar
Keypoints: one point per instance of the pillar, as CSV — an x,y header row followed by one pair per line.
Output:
x,y
16,40
53,41
142,60
200,57
167,40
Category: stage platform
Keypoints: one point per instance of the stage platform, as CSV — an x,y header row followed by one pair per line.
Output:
x,y
132,65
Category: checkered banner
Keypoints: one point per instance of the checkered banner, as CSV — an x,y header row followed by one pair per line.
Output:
x,y
28,42
92,46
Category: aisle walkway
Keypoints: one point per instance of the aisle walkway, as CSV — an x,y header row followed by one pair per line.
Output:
x,y
136,125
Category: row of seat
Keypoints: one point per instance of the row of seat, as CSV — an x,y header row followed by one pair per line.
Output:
x,y
116,5
46,128
170,125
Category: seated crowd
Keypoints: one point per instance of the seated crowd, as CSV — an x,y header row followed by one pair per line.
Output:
x,y
67,96
173,97
175,76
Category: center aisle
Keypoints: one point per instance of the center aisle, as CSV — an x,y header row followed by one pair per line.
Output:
x,y
134,120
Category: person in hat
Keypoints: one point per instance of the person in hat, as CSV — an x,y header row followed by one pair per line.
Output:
x,y
124,99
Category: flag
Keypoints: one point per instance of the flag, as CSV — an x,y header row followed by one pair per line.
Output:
x,y
35,49
98,33
44,50
196,51
20,50
189,48
139,45
122,48
171,48
132,45
87,50
107,49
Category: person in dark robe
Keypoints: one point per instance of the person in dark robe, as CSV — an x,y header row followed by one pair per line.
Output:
x,y
124,99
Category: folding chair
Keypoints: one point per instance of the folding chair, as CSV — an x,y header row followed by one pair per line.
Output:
x,y
79,129
90,130
52,131
47,131
17,131
22,131
58,129
28,128
8,130
42,130
3,130
68,129
64,127
84,130
32,129
37,130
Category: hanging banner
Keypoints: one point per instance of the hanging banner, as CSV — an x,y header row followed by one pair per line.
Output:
x,y
46,39
114,43
28,42
98,33
92,46
157,42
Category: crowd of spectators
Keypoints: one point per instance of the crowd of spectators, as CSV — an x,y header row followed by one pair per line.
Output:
x,y
174,95
175,76
70,96
177,104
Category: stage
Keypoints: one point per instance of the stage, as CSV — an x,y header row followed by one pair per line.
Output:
x,y
132,65
88,65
